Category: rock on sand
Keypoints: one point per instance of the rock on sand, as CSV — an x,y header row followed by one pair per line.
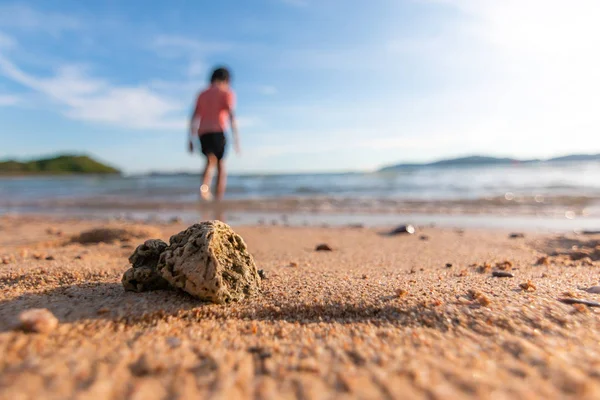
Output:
x,y
38,320
211,262
143,275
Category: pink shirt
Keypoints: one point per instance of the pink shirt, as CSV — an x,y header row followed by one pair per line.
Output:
x,y
213,107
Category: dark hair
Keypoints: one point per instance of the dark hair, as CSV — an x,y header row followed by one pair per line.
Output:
x,y
220,74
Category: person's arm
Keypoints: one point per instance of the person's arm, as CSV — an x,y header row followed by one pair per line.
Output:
x,y
233,122
234,130
194,125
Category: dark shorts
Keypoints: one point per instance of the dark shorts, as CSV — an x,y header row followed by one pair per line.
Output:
x,y
213,143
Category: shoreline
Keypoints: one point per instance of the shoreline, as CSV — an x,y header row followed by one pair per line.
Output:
x,y
527,223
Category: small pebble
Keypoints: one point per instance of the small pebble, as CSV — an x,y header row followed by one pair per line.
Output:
x,y
448,265
580,301
528,286
424,238
39,256
38,320
293,264
103,310
50,258
5,260
365,277
593,290
401,293
173,342
504,266
323,247
516,236
262,274
502,274
543,261
403,229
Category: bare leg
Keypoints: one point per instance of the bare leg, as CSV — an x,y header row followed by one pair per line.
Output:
x,y
221,179
211,161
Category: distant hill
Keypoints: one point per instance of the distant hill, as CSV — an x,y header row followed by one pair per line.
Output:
x,y
577,157
64,164
483,160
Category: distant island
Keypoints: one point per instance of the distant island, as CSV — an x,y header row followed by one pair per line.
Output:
x,y
63,164
483,160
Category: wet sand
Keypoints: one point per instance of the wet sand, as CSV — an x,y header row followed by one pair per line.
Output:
x,y
378,317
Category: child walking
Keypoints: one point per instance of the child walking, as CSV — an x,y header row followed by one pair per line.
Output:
x,y
212,116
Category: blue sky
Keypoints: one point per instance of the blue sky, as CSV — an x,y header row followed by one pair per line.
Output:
x,y
321,85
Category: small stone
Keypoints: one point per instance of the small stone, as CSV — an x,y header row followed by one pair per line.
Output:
x,y
593,290
424,238
579,301
323,247
293,264
176,220
516,236
50,258
39,256
401,293
79,257
580,308
210,262
481,298
5,260
173,342
502,274
484,268
528,286
448,265
103,310
403,230
504,266
262,274
543,261
38,320
365,277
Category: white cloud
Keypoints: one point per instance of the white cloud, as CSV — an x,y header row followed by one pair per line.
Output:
x,y
8,100
87,98
518,77
23,17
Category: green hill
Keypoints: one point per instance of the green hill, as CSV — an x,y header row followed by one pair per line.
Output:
x,y
64,164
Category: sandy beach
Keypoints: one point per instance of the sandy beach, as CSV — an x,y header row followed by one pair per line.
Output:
x,y
408,316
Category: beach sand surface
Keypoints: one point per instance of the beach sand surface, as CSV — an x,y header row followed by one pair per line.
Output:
x,y
378,317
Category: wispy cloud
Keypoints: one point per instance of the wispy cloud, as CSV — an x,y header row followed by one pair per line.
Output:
x,y
22,17
8,100
87,98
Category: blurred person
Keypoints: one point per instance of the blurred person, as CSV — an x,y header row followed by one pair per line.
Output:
x,y
213,115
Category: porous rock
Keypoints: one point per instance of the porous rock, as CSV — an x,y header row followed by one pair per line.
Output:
x,y
144,276
211,262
